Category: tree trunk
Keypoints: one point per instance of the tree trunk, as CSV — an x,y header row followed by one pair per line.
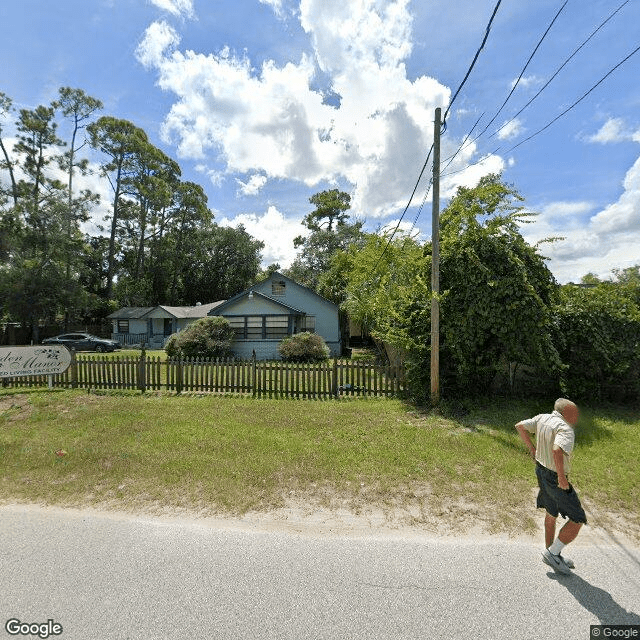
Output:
x,y
112,237
14,186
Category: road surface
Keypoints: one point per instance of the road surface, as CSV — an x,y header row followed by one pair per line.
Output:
x,y
104,576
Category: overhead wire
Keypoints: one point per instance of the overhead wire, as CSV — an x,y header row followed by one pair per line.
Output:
x,y
413,193
444,124
526,66
466,143
577,102
473,63
562,66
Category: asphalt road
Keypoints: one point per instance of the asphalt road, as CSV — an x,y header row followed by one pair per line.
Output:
x,y
115,577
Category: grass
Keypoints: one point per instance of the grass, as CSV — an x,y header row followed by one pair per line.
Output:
x,y
231,455
127,353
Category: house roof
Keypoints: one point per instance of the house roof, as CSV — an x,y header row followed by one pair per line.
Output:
x,y
309,289
276,274
138,313
129,313
198,311
262,295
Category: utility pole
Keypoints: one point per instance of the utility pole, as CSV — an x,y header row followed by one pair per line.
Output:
x,y
435,264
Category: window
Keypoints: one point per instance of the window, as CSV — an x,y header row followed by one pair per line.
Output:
x,y
238,326
277,327
254,328
308,324
278,287
123,326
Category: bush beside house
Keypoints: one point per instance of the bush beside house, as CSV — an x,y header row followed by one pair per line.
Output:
x,y
304,347
205,338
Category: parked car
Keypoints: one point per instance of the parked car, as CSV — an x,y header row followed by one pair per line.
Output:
x,y
84,342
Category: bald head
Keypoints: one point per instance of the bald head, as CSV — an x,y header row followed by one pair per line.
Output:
x,y
568,409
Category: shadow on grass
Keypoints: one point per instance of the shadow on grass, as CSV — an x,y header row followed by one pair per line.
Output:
x,y
501,414
596,600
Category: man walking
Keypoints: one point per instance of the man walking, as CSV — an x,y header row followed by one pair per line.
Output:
x,y
555,439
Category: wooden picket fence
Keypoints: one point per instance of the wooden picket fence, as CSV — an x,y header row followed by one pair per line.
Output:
x,y
332,378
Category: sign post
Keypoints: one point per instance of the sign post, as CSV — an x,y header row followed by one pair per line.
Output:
x,y
44,360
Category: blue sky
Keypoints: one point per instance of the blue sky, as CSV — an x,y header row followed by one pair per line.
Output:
x,y
265,102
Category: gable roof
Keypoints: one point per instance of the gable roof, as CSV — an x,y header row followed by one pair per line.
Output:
x,y
315,293
129,313
139,313
262,295
197,311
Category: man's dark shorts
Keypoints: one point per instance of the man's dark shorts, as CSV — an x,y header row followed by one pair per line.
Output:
x,y
556,500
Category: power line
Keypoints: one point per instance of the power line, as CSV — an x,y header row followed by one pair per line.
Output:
x,y
472,164
578,101
464,140
473,62
515,84
444,124
413,193
465,143
561,67
424,200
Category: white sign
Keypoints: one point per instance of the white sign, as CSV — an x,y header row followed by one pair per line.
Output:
x,y
45,360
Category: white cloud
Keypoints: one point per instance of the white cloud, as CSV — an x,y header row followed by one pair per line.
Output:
x,y
275,230
182,8
510,129
615,130
253,185
272,120
527,81
596,243
158,38
276,5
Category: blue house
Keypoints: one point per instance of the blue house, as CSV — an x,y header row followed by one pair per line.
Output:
x,y
276,308
261,316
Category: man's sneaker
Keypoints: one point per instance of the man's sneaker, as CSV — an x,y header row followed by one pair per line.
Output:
x,y
556,562
569,562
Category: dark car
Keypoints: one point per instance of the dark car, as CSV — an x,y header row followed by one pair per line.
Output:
x,y
83,342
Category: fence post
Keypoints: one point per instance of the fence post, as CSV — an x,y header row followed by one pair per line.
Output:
x,y
73,367
334,384
254,379
142,370
179,372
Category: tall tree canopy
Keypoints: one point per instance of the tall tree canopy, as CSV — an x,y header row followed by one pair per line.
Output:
x,y
330,230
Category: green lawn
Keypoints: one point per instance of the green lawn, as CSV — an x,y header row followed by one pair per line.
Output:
x,y
233,454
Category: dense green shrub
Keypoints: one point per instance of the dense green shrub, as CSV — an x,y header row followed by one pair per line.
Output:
x,y
206,338
304,347
597,332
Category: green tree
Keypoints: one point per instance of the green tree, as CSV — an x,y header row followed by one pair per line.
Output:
x,y
6,108
222,261
330,231
120,141
597,331
496,288
496,292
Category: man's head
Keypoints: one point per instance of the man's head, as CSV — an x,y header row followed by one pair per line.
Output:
x,y
568,409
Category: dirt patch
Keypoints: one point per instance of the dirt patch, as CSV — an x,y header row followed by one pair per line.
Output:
x,y
14,408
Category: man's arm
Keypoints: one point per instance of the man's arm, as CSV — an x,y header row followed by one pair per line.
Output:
x,y
558,458
526,438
